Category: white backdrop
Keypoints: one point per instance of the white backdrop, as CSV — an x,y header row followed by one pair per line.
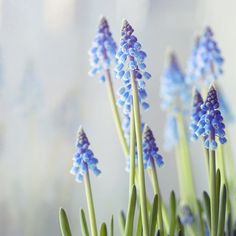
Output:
x,y
45,94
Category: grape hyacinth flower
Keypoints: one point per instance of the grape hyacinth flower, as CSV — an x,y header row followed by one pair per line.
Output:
x,y
206,61
103,50
175,92
130,62
211,122
224,107
150,149
186,215
131,70
84,158
197,113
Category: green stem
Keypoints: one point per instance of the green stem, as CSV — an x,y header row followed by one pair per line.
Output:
x,y
186,167
115,111
138,130
213,193
90,203
132,152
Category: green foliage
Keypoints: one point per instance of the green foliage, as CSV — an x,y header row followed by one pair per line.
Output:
x,y
64,223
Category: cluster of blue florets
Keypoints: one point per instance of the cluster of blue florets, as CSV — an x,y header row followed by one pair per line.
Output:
x,y
130,62
84,158
103,50
175,92
206,61
211,123
197,113
150,149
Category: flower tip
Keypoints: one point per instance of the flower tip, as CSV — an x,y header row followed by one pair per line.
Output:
x,y
103,20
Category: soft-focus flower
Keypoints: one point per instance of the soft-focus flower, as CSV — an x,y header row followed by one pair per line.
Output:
x,y
186,215
171,132
206,61
84,158
175,92
224,107
103,50
150,149
211,122
130,62
197,113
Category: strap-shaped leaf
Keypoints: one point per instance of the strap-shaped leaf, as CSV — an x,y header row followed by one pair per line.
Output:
x,y
122,220
139,226
131,211
180,227
64,223
221,223
218,184
112,226
207,205
229,224
201,221
153,216
83,223
103,230
173,213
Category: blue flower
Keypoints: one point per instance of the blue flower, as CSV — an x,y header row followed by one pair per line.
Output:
x,y
171,132
103,50
211,122
224,107
84,158
186,215
150,149
130,62
175,93
206,61
197,113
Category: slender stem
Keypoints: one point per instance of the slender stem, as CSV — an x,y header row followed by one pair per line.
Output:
x,y
138,130
132,152
90,203
115,111
213,192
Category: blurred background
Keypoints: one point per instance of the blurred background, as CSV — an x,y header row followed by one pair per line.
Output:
x,y
46,93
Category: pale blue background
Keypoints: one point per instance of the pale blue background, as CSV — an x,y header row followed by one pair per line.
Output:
x,y
45,94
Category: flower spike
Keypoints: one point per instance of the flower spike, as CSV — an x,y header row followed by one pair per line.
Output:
x,y
130,60
197,113
211,122
103,50
206,61
175,93
150,149
84,158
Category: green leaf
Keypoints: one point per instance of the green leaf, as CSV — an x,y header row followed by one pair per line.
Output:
x,y
64,223
122,220
153,218
103,230
218,184
173,213
201,221
112,226
139,226
131,211
229,224
207,205
221,223
83,223
180,227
